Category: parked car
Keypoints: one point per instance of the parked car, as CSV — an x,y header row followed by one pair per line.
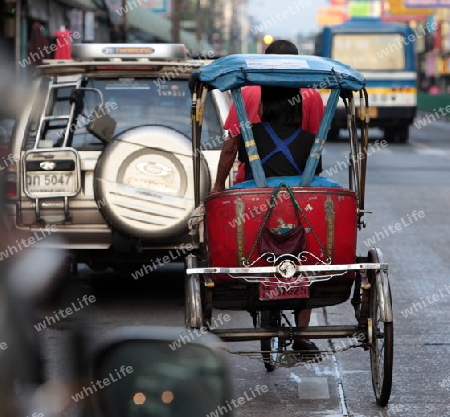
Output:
x,y
103,154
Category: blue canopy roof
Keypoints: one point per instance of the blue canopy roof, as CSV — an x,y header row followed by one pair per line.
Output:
x,y
306,71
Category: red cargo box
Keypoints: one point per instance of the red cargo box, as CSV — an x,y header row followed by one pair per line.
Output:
x,y
234,218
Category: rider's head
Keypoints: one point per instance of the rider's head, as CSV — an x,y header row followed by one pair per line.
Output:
x,y
282,47
281,105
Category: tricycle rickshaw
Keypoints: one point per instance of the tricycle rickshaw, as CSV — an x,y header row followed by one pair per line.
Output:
x,y
229,272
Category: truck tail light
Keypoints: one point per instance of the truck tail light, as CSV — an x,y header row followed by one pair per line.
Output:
x,y
4,148
11,181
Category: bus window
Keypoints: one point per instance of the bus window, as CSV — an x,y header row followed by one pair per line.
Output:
x,y
378,52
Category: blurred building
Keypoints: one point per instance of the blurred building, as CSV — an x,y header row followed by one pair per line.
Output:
x,y
435,61
432,45
30,27
227,25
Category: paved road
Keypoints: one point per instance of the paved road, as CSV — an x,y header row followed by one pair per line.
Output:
x,y
402,180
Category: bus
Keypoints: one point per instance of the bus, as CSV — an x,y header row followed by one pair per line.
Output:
x,y
384,53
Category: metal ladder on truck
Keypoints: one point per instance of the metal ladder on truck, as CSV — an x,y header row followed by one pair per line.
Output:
x,y
67,126
49,104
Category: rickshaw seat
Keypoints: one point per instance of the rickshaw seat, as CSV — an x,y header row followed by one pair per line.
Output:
x,y
291,181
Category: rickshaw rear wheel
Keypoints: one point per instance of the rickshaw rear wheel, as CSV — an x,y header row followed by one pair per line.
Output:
x,y
269,318
193,296
381,349
207,305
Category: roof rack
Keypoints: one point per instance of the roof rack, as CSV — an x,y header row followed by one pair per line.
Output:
x,y
116,52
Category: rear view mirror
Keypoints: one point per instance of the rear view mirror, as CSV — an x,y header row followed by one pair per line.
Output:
x,y
147,375
101,124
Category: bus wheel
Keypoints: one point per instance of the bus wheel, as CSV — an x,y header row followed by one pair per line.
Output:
x,y
402,134
396,134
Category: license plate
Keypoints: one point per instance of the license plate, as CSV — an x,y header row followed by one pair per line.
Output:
x,y
373,112
54,183
280,293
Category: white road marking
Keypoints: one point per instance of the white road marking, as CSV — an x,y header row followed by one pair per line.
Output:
x,y
323,370
295,377
433,152
340,387
311,388
314,388
424,149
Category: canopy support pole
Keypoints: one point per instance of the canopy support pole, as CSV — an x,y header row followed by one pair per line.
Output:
x,y
249,141
316,149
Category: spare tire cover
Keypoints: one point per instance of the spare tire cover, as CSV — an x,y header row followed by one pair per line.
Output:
x,y
143,182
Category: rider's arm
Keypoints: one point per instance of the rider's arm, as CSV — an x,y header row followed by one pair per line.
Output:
x,y
226,161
